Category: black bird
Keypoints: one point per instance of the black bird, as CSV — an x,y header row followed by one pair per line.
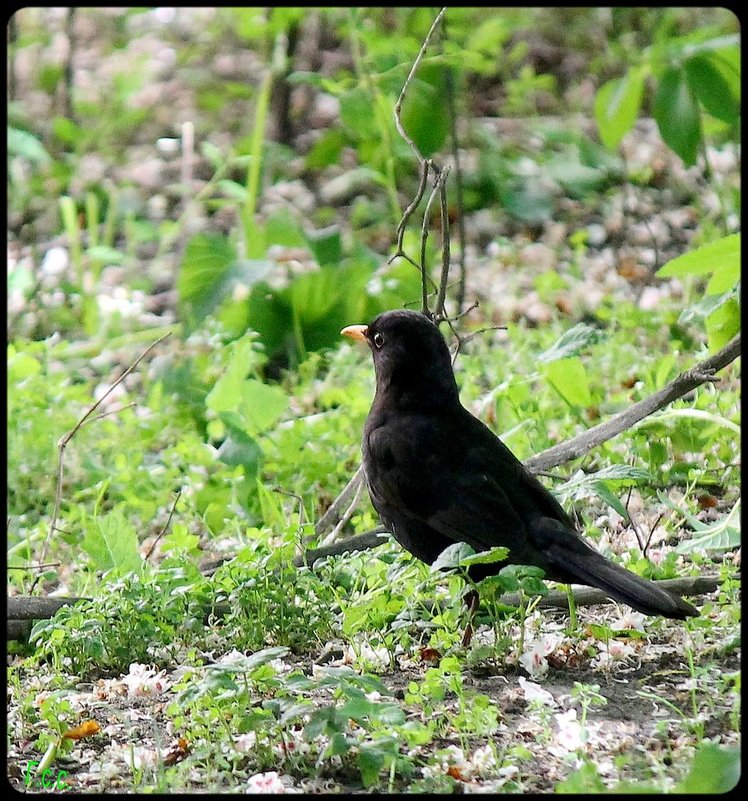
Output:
x,y
437,475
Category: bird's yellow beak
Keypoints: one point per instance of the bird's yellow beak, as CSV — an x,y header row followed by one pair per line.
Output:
x,y
355,332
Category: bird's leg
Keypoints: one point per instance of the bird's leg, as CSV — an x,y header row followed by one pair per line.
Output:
x,y
472,599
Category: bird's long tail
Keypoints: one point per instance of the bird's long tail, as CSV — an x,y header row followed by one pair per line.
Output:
x,y
579,563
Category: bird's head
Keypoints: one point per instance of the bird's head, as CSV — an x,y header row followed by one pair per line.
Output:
x,y
411,359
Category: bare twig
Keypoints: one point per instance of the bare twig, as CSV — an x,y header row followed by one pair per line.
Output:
x,y
440,313
424,240
332,515
166,525
333,535
69,72
361,542
65,439
408,213
110,412
454,145
399,104
587,596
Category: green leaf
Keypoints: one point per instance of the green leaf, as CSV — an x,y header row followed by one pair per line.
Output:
x,y
370,763
326,245
714,770
357,113
210,270
240,449
570,343
603,491
704,308
677,114
21,365
722,535
614,474
497,554
452,556
722,324
569,378
26,145
105,254
711,88
585,779
67,131
114,544
257,406
425,110
617,106
722,254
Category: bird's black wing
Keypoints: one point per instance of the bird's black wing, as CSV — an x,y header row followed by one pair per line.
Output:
x,y
425,471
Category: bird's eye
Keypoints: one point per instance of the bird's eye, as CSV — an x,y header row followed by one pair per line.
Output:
x,y
379,340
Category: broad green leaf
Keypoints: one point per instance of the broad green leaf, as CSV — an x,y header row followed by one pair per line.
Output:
x,y
258,406
677,114
696,414
715,769
370,763
711,88
240,449
21,365
497,554
722,254
425,109
569,378
114,545
357,113
570,343
625,474
617,106
452,556
724,278
210,270
25,144
722,535
722,324
327,246
326,150
603,491
704,308
282,229
67,131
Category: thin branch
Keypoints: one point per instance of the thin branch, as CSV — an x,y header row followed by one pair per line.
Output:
x,y
442,183
587,596
413,69
409,211
424,240
361,542
459,192
333,535
65,439
166,525
112,411
332,515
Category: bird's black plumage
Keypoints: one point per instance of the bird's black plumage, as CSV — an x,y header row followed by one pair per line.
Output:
x,y
437,475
